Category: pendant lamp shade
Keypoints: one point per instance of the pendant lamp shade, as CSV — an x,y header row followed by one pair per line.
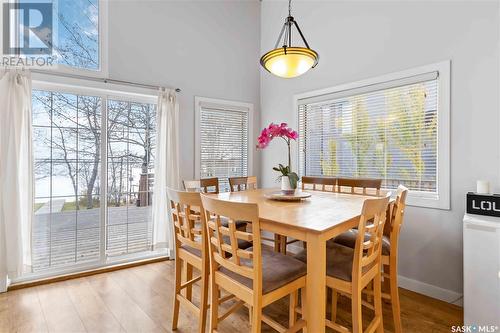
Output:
x,y
289,61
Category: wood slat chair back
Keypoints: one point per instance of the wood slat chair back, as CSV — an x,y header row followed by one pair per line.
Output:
x,y
206,185
368,253
186,216
190,252
362,186
237,184
393,228
319,183
224,250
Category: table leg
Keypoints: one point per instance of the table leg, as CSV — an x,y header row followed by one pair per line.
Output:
x,y
316,284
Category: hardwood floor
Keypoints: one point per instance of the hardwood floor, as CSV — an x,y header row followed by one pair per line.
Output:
x,y
139,299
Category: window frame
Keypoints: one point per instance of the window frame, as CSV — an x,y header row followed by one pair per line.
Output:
x,y
226,105
106,91
441,198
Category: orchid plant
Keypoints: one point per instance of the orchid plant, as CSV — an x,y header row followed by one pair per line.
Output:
x,y
287,134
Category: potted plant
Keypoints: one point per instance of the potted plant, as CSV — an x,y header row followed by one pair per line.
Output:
x,y
288,178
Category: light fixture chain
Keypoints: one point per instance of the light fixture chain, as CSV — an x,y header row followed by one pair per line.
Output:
x,y
289,7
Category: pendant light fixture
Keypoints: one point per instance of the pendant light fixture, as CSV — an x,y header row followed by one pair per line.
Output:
x,y
289,61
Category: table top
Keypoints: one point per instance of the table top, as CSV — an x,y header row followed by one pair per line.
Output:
x,y
319,213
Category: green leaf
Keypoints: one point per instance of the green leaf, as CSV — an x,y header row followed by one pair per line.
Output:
x,y
293,177
276,169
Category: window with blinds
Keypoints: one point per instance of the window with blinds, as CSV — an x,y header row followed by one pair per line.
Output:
x,y
223,143
387,130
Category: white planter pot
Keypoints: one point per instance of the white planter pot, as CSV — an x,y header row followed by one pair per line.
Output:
x,y
286,188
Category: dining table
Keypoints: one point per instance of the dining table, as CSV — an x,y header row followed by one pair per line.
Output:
x,y
314,220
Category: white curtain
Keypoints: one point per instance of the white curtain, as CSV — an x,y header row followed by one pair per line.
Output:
x,y
16,175
166,166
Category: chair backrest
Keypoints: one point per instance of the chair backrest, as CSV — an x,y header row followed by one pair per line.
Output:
x,y
223,241
368,253
187,213
319,183
237,184
354,185
393,228
207,185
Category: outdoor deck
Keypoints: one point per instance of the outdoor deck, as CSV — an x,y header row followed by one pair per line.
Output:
x,y
69,237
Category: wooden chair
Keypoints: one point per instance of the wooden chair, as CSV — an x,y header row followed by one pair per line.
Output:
x,y
256,277
319,183
309,183
367,186
350,270
190,251
390,242
237,184
207,185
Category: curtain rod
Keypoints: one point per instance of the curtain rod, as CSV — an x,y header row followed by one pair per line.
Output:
x,y
82,77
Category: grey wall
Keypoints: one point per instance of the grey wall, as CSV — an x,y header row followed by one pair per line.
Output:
x,y
206,48
358,40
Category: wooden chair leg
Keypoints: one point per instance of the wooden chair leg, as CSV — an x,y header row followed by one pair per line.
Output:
x,y
283,240
303,304
256,319
277,243
189,288
204,300
396,310
178,276
214,304
335,299
377,301
292,315
357,317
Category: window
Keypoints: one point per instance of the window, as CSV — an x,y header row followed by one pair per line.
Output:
x,y
91,144
222,139
77,33
394,128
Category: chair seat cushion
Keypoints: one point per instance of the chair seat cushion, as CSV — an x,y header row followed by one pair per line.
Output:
x,y
348,239
239,224
242,244
191,250
277,270
339,260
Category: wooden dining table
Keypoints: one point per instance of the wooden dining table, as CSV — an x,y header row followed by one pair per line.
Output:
x,y
314,220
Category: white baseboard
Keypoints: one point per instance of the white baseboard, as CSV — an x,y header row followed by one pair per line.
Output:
x,y
430,290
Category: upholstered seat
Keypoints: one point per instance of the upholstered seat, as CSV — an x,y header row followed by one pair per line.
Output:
x,y
239,224
191,250
242,244
339,260
348,239
277,270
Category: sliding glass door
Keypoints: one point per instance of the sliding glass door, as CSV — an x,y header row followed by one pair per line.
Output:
x,y
86,148
131,151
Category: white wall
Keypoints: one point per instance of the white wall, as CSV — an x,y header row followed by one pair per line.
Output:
x,y
206,48
358,40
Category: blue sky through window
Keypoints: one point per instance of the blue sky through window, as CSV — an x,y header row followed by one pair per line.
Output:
x,y
75,32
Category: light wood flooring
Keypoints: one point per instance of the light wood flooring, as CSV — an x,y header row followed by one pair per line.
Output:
x,y
139,299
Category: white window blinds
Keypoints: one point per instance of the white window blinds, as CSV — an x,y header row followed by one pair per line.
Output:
x,y
223,143
386,130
